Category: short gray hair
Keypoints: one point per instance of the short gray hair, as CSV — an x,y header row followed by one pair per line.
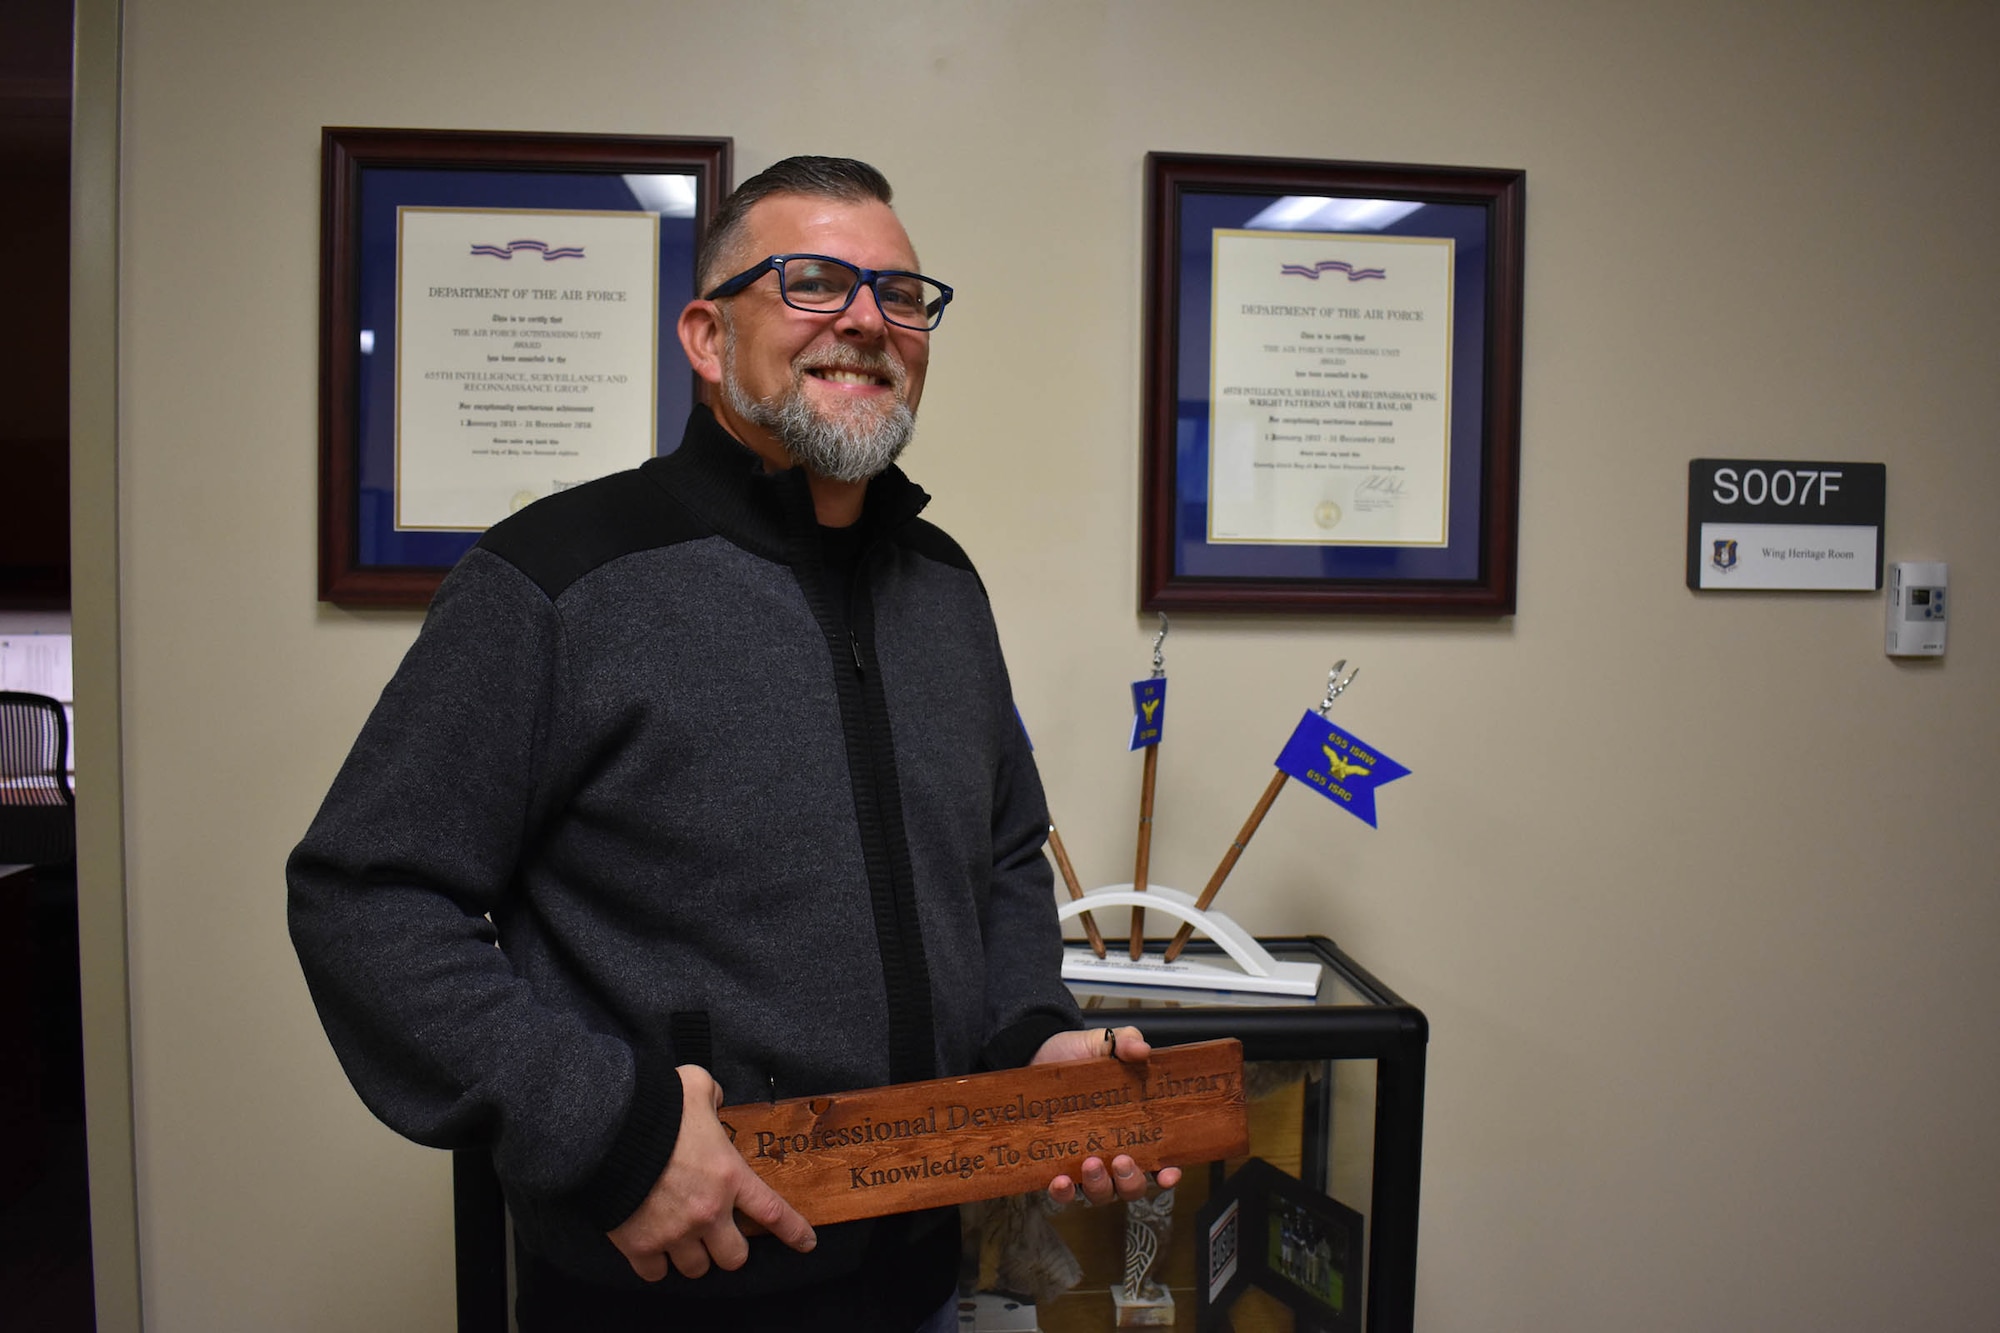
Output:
x,y
840,178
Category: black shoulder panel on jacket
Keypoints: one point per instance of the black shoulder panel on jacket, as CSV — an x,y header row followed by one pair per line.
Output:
x,y
934,543
558,539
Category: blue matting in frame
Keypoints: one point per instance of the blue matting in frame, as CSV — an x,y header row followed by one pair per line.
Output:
x,y
1201,214
383,190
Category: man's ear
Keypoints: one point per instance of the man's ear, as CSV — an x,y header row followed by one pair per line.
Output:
x,y
702,338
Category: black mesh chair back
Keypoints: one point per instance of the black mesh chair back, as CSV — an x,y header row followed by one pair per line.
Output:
x,y
37,807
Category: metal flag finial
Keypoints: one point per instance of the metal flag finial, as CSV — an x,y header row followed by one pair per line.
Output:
x,y
1336,685
1159,659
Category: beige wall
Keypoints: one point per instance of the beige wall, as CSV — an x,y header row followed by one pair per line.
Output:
x,y
1696,891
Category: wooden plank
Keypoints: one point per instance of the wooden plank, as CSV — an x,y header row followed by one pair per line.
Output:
x,y
953,1140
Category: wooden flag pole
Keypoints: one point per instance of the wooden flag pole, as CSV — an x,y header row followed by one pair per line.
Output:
x,y
1229,858
1145,848
1075,890
1335,687
1145,852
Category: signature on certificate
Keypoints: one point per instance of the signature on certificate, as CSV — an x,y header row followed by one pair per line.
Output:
x,y
1378,491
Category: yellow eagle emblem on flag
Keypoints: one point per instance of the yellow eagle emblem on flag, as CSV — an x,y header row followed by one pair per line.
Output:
x,y
1341,768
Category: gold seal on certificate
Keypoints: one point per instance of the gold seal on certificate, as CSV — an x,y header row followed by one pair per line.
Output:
x,y
1330,406
527,356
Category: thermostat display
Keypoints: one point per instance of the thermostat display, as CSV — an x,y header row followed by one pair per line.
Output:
x,y
1916,609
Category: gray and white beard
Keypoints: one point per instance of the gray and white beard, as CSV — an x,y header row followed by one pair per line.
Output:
x,y
839,449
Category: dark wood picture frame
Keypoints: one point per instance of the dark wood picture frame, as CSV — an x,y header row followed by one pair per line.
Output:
x,y
1482,579
346,154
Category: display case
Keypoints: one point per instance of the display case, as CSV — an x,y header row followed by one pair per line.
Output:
x,y
1336,1087
1325,1230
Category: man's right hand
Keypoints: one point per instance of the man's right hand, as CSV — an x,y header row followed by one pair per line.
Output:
x,y
690,1216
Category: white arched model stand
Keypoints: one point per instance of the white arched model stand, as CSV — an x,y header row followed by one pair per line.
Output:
x,y
1255,969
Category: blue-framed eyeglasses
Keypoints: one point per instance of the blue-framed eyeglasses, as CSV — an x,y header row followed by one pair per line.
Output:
x,y
824,285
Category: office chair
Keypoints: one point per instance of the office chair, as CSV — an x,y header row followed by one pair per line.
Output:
x,y
37,807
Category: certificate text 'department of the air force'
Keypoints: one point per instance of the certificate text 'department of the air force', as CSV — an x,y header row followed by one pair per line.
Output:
x,y
526,357
1330,403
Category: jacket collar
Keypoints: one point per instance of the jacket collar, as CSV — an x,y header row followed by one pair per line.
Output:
x,y
769,513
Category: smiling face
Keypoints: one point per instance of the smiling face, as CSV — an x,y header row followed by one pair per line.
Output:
x,y
837,393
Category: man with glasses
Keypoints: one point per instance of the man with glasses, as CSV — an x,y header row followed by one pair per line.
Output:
x,y
722,754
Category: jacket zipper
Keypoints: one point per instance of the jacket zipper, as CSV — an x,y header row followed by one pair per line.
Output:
x,y
906,976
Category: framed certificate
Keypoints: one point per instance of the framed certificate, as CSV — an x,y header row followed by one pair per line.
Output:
x,y
1333,381
496,325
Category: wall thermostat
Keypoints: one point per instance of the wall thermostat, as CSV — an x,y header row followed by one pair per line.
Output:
x,y
1916,609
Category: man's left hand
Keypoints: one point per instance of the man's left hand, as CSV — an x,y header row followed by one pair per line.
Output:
x,y
1122,1179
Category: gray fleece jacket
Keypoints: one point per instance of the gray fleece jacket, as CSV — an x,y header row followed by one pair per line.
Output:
x,y
710,809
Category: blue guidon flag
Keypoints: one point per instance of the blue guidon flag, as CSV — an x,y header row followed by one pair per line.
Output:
x,y
1339,766
1149,711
